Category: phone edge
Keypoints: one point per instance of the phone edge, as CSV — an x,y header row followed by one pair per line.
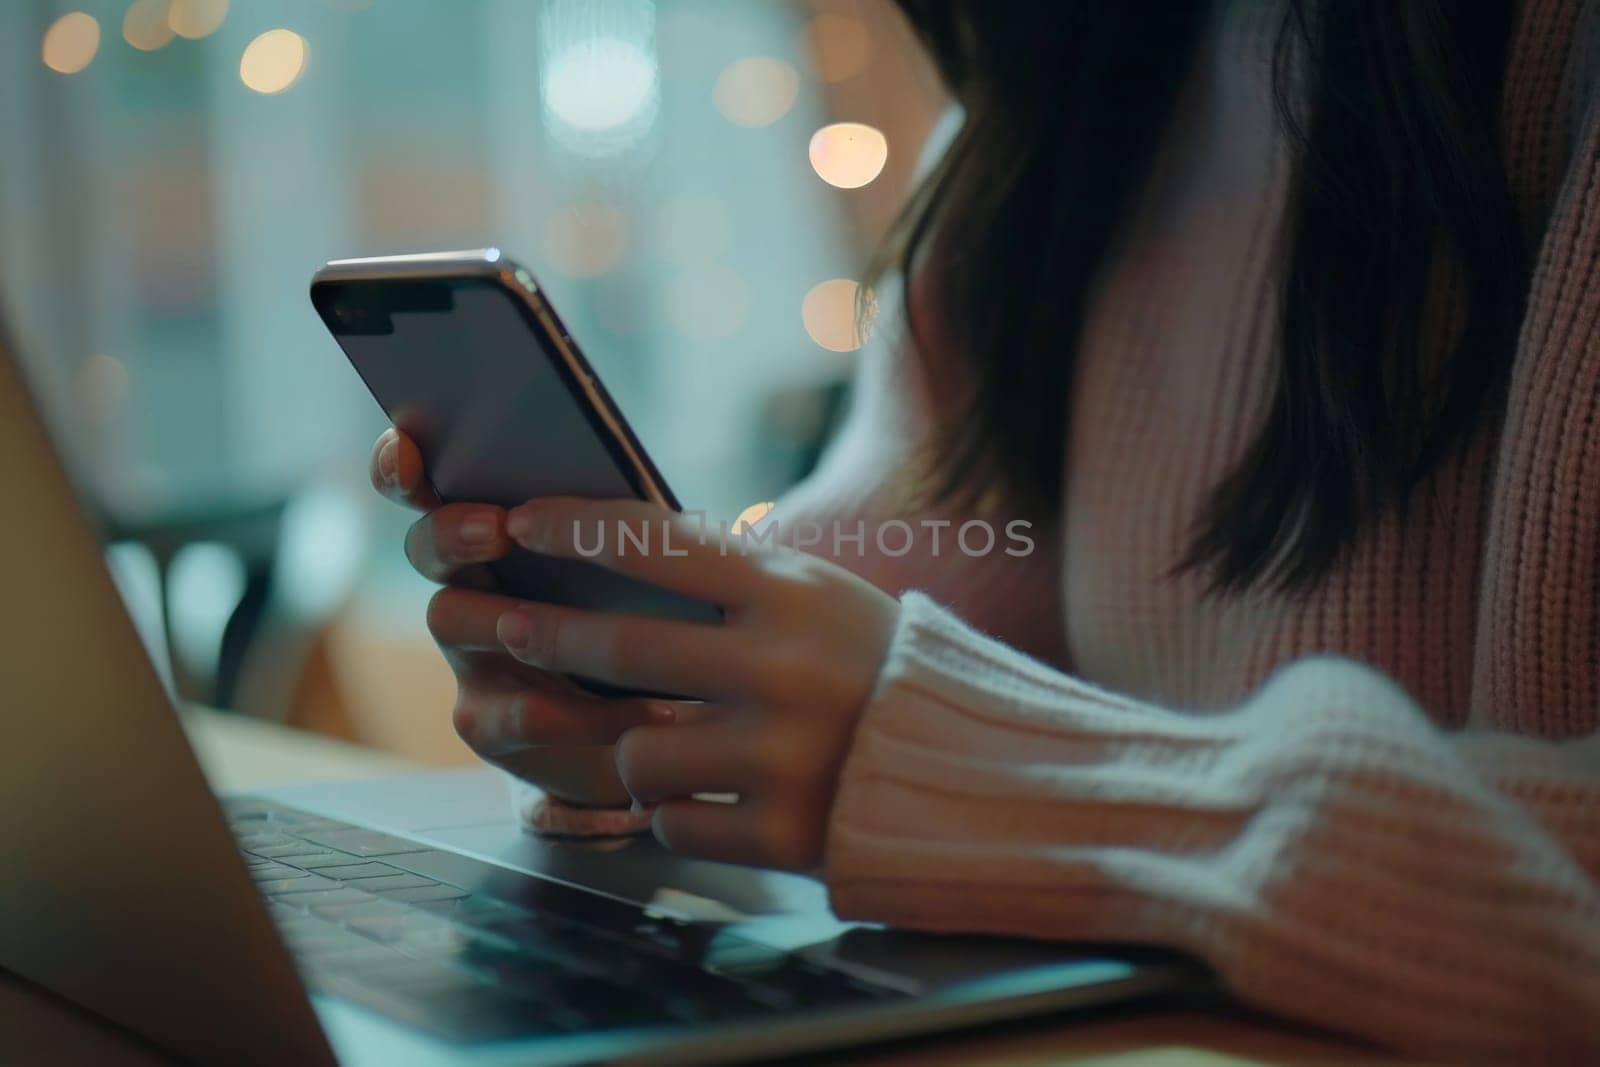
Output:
x,y
519,282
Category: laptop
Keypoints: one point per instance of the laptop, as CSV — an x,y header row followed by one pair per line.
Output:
x,y
403,920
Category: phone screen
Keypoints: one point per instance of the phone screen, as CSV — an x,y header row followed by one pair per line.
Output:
x,y
461,370
462,366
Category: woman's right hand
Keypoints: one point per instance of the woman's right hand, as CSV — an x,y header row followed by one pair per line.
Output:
x,y
539,726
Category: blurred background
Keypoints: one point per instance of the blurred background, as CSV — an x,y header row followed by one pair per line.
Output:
x,y
697,184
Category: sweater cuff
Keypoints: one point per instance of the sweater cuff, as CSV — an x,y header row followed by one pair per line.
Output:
x,y
983,787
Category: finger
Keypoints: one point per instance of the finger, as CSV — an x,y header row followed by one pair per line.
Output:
x,y
753,833
675,551
451,538
498,723
396,471
631,651
729,833
660,762
467,620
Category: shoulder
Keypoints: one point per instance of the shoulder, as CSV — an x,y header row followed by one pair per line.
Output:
x,y
1551,102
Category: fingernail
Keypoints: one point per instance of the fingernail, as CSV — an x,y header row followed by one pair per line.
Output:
x,y
519,524
514,630
389,462
478,528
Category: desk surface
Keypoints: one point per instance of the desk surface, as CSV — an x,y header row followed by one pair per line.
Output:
x,y
37,1028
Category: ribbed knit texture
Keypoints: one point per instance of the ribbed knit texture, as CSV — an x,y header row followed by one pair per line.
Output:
x,y
1402,842
1332,854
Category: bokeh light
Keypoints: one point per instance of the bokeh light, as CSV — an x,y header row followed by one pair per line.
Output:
x,y
144,25
751,516
194,19
71,42
829,314
586,239
273,61
848,154
839,46
757,91
600,84
708,303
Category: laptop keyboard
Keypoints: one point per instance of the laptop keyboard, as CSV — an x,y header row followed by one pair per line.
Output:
x,y
471,951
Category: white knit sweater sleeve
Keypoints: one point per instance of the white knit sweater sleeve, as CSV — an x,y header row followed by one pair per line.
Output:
x,y
1330,853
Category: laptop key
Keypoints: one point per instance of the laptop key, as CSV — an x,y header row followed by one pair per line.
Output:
x,y
348,871
246,821
271,870
309,860
363,842
278,852
325,898
306,883
253,838
297,823
315,859
394,881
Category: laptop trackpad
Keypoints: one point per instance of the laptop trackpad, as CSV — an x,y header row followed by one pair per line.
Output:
x,y
470,811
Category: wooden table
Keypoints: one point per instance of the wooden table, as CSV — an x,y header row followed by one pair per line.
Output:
x,y
37,1028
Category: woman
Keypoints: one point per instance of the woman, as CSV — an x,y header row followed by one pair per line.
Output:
x,y
1279,326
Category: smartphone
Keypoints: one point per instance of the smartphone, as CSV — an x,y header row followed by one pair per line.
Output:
x,y
466,355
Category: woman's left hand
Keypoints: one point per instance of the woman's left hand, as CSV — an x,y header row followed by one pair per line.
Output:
x,y
782,679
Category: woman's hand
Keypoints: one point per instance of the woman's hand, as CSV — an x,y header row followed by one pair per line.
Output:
x,y
779,684
515,715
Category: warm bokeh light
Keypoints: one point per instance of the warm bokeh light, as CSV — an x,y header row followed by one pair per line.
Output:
x,y
848,154
194,19
601,84
708,303
838,45
829,314
751,516
693,229
586,239
144,25
71,42
757,91
273,61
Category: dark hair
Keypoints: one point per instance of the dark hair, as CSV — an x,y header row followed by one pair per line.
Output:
x,y
1400,219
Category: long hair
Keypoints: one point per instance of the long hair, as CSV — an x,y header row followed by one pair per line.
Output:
x,y
1398,194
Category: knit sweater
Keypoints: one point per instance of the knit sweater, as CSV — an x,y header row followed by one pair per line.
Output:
x,y
1375,807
